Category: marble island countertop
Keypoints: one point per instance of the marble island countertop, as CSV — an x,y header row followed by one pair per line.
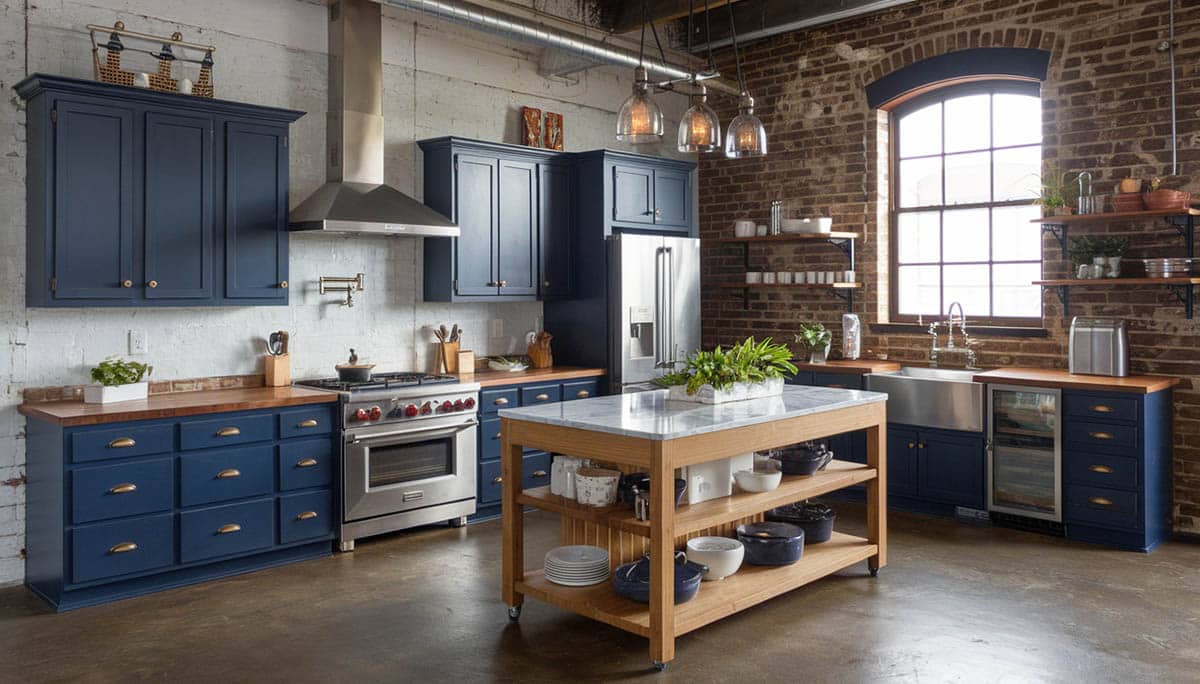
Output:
x,y
649,415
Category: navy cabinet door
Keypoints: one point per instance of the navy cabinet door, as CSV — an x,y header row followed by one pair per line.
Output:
x,y
256,194
475,208
633,194
672,201
902,462
516,247
554,230
952,469
178,201
93,202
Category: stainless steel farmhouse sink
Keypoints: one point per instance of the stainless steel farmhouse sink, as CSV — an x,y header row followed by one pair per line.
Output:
x,y
932,397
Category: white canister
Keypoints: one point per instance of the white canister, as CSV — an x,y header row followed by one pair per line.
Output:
x,y
743,228
768,278
798,277
851,336
753,277
810,277
831,277
761,230
184,86
141,80
849,277
820,277
784,277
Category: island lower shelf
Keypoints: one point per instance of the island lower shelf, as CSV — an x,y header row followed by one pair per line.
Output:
x,y
749,586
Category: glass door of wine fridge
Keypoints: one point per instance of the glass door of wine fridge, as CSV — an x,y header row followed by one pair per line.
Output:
x,y
1025,451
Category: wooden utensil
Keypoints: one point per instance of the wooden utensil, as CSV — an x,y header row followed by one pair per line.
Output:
x,y
539,350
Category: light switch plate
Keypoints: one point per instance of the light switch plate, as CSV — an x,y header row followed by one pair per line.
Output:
x,y
137,342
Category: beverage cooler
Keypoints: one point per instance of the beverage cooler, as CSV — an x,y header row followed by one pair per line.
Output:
x,y
1025,452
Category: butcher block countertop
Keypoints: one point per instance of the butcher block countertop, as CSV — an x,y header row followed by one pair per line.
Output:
x,y
1051,377
173,404
491,378
856,367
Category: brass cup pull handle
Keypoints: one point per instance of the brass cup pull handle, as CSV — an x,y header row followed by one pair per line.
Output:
x,y
582,394
123,488
122,443
310,423
837,386
539,473
306,515
503,283
152,284
1101,408
1100,501
498,479
306,463
229,529
1100,435
1100,469
921,445
126,283
542,397
229,473
229,432
500,401
123,547
657,212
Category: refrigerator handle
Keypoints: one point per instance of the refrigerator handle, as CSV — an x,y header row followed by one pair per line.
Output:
x,y
658,307
669,332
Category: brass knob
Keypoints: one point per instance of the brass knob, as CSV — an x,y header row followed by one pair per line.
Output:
x,y
310,423
1100,501
545,283
1100,469
123,547
229,432
121,443
306,463
1100,435
657,212
503,283
500,401
911,445
1101,408
229,473
283,284
542,397
497,480
230,528
921,445
497,435
306,515
582,394
152,284
123,488
539,473
126,283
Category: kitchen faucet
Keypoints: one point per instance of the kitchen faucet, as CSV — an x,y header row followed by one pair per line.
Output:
x,y
968,344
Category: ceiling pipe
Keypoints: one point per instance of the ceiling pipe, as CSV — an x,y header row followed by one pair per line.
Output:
x,y
848,12
523,30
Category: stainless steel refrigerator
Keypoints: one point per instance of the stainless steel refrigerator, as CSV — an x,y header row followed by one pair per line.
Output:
x,y
653,306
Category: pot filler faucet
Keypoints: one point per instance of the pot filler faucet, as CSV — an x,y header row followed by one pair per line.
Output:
x,y
968,344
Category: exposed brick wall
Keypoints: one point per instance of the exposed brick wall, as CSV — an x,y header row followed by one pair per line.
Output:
x,y
1105,109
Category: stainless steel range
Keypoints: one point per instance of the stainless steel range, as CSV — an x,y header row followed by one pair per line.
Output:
x,y
408,452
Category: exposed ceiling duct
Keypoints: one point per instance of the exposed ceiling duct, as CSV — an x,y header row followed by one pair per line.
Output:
x,y
758,19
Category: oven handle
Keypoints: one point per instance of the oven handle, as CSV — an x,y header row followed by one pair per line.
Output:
x,y
424,432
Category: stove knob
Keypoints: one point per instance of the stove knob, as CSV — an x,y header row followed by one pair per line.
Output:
x,y
376,413
469,402
426,409
411,410
458,404
361,414
444,407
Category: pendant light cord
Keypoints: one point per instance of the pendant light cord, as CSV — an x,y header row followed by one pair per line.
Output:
x,y
712,64
737,59
642,42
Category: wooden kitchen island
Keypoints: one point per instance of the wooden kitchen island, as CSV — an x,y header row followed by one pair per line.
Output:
x,y
645,432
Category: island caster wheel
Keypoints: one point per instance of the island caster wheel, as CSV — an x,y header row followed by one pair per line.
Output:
x,y
514,613
660,666
874,572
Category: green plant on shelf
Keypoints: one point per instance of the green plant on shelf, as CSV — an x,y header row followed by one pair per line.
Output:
x,y
748,361
814,336
116,371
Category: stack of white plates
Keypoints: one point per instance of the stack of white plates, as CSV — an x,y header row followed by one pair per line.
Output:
x,y
577,566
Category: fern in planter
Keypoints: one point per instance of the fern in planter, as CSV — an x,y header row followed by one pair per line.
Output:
x,y
749,361
115,371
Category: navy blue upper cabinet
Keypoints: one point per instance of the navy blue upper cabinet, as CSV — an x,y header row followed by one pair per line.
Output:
x,y
627,191
476,190
555,230
633,194
516,248
672,198
138,198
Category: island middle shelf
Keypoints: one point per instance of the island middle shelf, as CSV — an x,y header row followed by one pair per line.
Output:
x,y
695,517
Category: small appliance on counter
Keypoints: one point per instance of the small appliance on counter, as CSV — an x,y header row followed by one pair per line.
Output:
x,y
1099,346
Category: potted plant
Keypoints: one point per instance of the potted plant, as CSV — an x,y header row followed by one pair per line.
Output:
x,y
1111,250
816,338
1053,195
1083,250
747,370
118,380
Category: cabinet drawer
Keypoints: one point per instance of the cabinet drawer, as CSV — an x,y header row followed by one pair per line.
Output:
x,y
1103,470
122,547
489,440
96,445
490,484
1101,407
535,471
491,401
580,389
1119,439
540,394
305,516
115,491
839,380
302,422
226,474
1101,506
226,530
202,434
306,463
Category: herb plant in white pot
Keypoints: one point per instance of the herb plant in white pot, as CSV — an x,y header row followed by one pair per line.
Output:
x,y
816,338
118,380
747,370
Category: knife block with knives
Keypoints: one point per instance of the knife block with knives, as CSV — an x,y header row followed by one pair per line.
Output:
x,y
277,364
448,344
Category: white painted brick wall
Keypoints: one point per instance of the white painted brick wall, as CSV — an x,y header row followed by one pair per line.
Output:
x,y
439,79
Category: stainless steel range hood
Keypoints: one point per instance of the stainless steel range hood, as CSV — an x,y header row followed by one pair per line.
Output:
x,y
354,198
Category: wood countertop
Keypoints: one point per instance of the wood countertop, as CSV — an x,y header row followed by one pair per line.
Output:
x,y
1053,377
491,378
856,367
72,413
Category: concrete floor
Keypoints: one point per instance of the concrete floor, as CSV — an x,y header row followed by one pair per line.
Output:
x,y
957,603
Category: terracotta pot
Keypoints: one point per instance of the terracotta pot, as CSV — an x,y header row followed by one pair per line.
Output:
x,y
1163,200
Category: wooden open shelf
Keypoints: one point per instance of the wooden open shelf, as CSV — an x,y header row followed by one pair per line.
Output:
x,y
1117,282
1077,219
706,514
793,237
749,586
795,286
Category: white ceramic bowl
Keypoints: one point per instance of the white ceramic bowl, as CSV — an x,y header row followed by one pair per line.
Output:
x,y
511,366
754,277
763,478
722,555
597,486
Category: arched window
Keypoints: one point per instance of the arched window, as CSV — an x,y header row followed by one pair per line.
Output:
x,y
966,161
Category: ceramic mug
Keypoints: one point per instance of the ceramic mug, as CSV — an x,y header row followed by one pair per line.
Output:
x,y
831,277
798,277
184,86
768,278
743,228
753,277
761,230
810,277
784,277
848,277
820,277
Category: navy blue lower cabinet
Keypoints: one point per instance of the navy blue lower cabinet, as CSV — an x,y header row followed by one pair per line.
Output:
x,y
902,460
124,509
951,467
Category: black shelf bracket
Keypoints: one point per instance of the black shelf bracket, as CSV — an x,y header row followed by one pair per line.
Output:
x,y
847,247
847,296
1059,231
1185,225
1064,296
1185,294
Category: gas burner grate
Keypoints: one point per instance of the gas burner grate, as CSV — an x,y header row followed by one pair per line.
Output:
x,y
380,381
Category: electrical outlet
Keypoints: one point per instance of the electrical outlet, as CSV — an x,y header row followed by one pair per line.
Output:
x,y
496,328
137,342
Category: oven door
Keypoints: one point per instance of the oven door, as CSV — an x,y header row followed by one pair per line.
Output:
x,y
388,470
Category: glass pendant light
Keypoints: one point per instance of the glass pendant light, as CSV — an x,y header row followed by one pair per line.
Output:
x,y
746,135
640,120
699,129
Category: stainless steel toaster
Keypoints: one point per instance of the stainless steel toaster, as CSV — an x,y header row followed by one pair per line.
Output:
x,y
1099,346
